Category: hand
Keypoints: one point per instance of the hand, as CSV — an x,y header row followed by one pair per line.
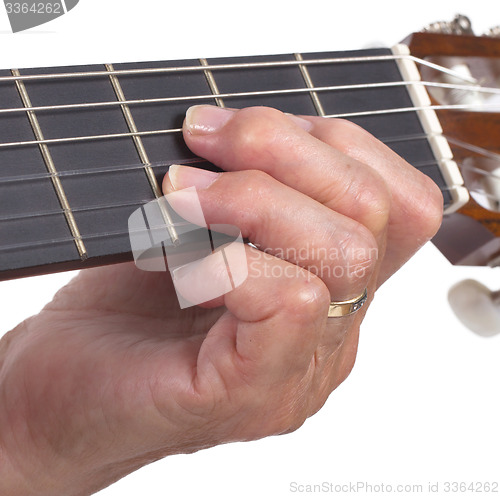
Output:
x,y
112,375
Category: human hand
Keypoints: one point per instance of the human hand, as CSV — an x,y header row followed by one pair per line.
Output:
x,y
112,375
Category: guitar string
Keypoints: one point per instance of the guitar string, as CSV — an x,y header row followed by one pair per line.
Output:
x,y
70,174
18,217
246,66
241,94
132,167
319,89
420,166
239,65
99,236
97,170
142,202
474,148
462,87
74,139
86,172
49,213
481,172
86,209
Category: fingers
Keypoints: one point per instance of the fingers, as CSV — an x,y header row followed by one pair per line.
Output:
x,y
259,361
273,350
336,252
332,161
282,222
417,203
274,322
266,139
294,181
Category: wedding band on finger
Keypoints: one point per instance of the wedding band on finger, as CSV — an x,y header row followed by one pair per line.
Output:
x,y
348,307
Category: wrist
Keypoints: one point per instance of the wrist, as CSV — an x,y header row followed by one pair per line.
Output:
x,y
23,468
26,472
11,481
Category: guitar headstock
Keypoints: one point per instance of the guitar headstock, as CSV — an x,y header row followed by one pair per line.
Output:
x,y
467,100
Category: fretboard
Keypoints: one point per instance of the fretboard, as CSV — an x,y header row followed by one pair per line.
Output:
x,y
98,139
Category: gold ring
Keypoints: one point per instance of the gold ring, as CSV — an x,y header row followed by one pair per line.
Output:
x,y
348,307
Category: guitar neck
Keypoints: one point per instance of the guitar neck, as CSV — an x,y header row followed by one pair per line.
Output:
x,y
81,148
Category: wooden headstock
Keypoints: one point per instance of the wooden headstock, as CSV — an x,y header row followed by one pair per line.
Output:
x,y
471,236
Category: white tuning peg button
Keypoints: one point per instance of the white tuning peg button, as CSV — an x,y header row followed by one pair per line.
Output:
x,y
476,306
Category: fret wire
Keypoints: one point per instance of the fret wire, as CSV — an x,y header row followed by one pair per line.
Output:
x,y
386,84
247,65
49,163
178,130
212,84
141,150
123,233
307,79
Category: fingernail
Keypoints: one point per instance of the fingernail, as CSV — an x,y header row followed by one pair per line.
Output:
x,y
182,176
303,123
207,119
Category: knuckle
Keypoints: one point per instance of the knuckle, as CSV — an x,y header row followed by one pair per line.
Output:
x,y
360,249
255,129
426,209
368,197
433,209
288,413
307,298
372,198
348,363
331,383
292,424
284,421
256,181
343,134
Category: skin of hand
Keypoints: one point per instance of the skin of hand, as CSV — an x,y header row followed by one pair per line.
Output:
x,y
112,375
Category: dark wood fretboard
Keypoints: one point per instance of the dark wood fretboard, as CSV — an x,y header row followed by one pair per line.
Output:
x,y
72,173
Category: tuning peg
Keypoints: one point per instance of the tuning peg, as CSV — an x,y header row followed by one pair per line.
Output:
x,y
460,25
493,32
476,306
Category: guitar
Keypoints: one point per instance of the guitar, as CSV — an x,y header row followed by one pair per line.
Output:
x,y
408,452
82,147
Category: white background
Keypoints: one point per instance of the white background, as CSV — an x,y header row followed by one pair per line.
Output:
x,y
422,403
